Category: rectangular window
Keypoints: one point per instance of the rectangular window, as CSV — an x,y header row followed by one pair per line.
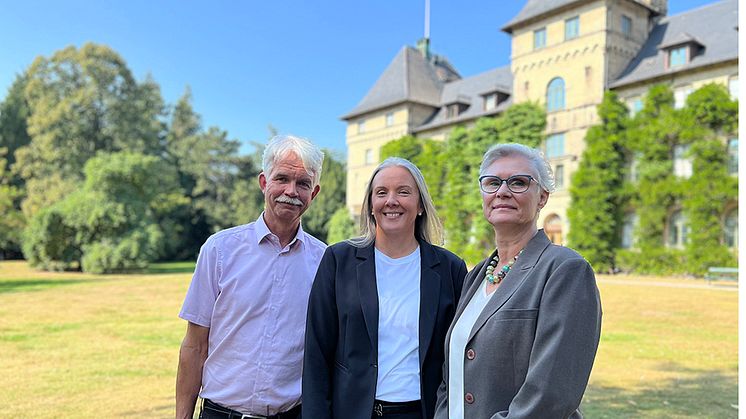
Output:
x,y
676,57
733,156
682,164
490,101
452,110
572,28
389,119
559,176
679,96
626,26
635,106
540,38
733,87
368,156
361,126
555,145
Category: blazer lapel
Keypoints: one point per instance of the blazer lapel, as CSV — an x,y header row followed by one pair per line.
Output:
x,y
429,296
517,275
366,280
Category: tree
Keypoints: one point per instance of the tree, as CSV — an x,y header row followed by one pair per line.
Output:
x,y
81,102
331,197
596,192
11,218
340,226
110,224
14,112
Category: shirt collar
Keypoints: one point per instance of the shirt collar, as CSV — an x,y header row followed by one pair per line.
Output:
x,y
263,231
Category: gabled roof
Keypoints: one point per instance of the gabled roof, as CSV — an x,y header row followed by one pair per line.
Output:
x,y
470,91
535,9
409,78
714,27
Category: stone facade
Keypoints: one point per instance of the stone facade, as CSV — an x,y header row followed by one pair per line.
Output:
x,y
565,55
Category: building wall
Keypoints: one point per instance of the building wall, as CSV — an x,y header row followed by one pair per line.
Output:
x,y
581,62
586,63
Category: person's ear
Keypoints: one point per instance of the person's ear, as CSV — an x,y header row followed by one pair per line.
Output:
x,y
315,192
262,181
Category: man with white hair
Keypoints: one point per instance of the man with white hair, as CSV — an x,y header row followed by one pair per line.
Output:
x,y
246,305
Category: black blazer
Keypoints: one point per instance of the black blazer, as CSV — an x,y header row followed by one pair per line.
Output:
x,y
340,364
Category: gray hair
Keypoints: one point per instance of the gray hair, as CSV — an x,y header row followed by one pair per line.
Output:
x,y
534,156
280,145
427,226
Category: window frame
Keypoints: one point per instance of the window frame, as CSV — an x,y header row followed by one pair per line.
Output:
x,y
678,56
572,28
626,26
555,98
540,38
554,146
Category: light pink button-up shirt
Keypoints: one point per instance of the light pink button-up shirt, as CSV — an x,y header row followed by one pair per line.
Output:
x,y
253,296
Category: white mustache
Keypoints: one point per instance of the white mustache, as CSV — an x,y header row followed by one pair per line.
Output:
x,y
288,200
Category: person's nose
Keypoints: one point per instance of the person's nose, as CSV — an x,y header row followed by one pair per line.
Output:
x,y
391,200
503,190
291,190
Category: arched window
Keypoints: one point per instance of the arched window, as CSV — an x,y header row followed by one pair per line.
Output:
x,y
730,229
677,230
553,228
556,95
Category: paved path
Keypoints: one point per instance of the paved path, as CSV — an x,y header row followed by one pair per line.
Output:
x,y
715,287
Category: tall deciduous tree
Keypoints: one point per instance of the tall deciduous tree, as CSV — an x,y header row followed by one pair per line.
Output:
x,y
83,101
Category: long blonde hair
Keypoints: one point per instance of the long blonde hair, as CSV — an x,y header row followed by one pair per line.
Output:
x,y
427,226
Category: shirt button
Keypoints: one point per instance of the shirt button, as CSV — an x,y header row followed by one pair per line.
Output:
x,y
470,354
469,398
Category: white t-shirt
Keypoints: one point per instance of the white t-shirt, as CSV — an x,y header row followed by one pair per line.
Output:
x,y
457,348
398,284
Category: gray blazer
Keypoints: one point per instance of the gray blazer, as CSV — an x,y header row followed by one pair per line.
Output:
x,y
531,350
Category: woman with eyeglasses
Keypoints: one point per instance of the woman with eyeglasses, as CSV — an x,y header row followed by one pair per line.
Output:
x,y
526,330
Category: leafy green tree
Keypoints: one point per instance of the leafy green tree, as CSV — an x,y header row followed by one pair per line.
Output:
x,y
110,224
340,226
330,198
14,112
523,123
81,102
596,192
11,218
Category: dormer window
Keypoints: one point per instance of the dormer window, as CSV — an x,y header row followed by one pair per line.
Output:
x,y
490,101
680,50
452,110
676,57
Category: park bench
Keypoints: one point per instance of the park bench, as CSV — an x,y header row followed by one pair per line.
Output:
x,y
720,273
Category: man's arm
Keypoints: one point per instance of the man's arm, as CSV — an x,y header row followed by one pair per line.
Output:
x,y
192,356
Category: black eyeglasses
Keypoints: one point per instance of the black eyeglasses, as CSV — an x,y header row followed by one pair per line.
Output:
x,y
516,183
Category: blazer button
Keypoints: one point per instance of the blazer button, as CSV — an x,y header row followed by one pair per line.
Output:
x,y
469,398
470,354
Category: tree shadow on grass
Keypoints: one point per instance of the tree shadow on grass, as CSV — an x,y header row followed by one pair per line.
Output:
x,y
22,285
692,393
170,268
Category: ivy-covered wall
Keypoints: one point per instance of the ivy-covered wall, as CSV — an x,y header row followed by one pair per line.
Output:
x,y
653,165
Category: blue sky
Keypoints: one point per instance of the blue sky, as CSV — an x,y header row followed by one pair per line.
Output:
x,y
297,65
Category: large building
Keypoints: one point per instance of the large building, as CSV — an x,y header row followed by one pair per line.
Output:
x,y
565,55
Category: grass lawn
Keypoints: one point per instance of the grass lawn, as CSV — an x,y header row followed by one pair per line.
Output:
x,y
77,345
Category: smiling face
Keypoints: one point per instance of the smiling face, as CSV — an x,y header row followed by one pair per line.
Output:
x,y
504,207
395,200
288,190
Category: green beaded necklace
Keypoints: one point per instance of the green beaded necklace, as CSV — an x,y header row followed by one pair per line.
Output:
x,y
496,278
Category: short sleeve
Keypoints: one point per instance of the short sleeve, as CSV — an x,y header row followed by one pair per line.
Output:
x,y
203,290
